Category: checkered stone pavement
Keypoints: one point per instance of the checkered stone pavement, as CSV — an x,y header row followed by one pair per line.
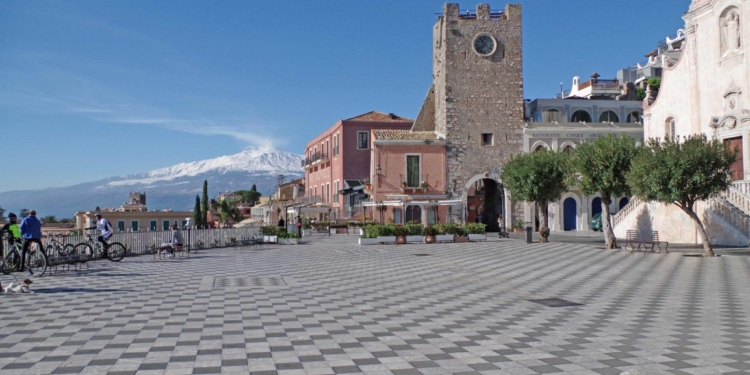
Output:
x,y
332,307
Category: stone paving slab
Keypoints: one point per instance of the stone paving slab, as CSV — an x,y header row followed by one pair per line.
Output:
x,y
333,307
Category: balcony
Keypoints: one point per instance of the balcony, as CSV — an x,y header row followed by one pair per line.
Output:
x,y
315,159
600,84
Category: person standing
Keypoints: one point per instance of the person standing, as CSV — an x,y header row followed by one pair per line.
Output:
x,y
176,239
14,233
31,231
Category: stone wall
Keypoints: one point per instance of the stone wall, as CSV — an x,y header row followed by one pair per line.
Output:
x,y
476,94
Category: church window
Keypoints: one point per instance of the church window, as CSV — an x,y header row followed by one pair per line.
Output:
x,y
608,116
669,129
552,115
580,115
634,116
487,139
413,170
363,140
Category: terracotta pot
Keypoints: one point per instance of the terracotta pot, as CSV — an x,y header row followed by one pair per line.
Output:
x,y
517,230
429,239
400,240
460,239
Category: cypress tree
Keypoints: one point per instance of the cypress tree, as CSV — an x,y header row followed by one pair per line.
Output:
x,y
197,212
204,210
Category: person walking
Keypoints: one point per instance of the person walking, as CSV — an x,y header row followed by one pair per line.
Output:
x,y
31,231
176,239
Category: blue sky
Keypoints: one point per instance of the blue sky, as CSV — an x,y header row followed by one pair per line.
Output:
x,y
92,89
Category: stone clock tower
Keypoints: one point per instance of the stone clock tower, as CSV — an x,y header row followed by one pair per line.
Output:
x,y
476,100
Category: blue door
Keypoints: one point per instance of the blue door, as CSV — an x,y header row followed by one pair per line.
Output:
x,y
596,206
570,214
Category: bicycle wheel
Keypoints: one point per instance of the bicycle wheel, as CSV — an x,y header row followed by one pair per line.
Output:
x,y
115,252
11,263
84,250
67,250
37,262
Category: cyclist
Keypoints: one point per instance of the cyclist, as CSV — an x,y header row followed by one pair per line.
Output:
x,y
104,227
31,231
14,232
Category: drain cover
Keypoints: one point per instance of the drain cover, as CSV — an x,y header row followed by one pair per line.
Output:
x,y
555,302
223,282
422,255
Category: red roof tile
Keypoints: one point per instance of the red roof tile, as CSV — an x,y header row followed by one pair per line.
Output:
x,y
407,135
375,116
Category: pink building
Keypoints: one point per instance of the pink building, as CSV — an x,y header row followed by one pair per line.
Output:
x,y
408,177
337,163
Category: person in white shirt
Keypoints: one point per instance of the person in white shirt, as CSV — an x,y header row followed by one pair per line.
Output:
x,y
104,228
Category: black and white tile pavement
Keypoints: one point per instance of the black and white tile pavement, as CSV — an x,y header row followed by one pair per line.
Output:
x,y
333,307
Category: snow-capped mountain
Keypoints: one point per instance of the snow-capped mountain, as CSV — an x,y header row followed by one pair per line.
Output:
x,y
172,187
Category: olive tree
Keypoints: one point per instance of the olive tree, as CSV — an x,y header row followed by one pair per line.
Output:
x,y
537,177
600,167
682,173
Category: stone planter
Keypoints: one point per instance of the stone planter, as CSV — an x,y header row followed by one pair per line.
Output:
x,y
368,241
415,239
356,231
400,240
288,241
386,239
444,238
306,232
270,239
460,239
477,237
429,239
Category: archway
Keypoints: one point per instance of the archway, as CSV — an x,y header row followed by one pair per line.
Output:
x,y
570,214
623,202
580,115
596,206
486,195
413,215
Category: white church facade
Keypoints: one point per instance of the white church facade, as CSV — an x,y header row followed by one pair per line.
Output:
x,y
706,90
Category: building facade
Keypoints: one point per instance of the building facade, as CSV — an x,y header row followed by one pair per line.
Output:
x,y
337,162
136,221
704,92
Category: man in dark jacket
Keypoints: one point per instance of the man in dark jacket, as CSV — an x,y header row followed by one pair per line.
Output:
x,y
31,231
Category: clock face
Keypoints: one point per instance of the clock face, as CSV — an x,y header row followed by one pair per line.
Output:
x,y
484,45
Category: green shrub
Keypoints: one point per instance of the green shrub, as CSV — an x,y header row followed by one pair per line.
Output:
x,y
286,234
306,224
272,230
401,230
371,231
475,228
518,223
387,230
414,229
449,228
430,231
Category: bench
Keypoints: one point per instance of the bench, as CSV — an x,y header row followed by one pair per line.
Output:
x,y
337,227
255,242
645,239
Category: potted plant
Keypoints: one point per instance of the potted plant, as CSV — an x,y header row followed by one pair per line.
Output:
x,y
415,232
476,231
370,235
306,227
459,234
424,185
401,231
429,234
270,233
386,234
403,186
518,225
368,185
445,232
287,238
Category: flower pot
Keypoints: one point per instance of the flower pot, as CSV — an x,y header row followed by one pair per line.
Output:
x,y
386,239
288,241
477,237
271,239
415,239
517,230
429,239
368,241
306,232
400,240
460,239
444,238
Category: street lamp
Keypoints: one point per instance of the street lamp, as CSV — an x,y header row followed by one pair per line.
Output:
x,y
378,170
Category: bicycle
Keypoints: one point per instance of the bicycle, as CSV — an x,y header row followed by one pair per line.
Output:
x,y
36,259
114,251
55,246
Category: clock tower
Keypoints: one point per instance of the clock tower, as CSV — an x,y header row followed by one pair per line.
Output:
x,y
476,99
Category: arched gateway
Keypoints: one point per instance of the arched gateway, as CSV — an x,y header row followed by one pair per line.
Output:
x,y
486,200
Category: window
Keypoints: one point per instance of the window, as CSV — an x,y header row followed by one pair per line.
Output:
x,y
363,140
120,225
608,116
487,139
431,215
413,215
315,194
397,215
669,129
580,115
634,116
552,115
328,147
413,170
152,226
184,224
328,192
165,225
336,189
336,144
134,225
567,149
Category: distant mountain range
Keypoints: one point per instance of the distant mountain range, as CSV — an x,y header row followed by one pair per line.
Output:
x,y
173,187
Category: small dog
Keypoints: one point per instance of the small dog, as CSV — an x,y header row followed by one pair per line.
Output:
x,y
23,287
